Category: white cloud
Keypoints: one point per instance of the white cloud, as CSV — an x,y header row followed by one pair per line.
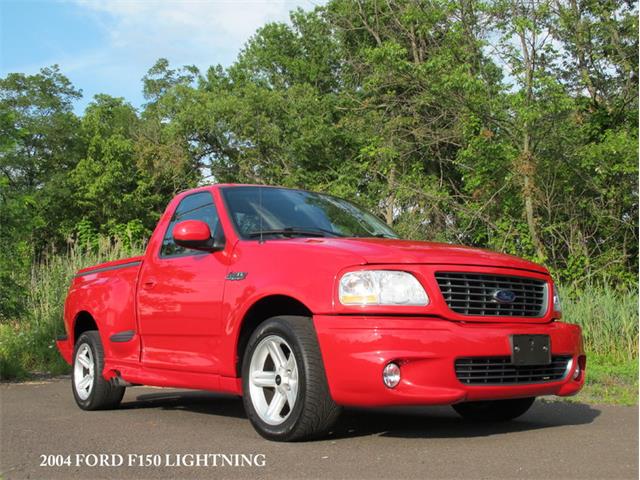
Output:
x,y
133,34
200,32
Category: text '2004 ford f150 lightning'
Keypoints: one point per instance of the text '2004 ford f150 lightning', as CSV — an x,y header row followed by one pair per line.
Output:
x,y
303,303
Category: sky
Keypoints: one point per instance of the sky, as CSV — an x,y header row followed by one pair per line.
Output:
x,y
107,46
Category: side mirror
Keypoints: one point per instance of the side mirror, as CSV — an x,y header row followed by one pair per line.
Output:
x,y
196,235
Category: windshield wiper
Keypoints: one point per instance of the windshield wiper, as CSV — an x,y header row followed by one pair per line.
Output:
x,y
295,231
376,235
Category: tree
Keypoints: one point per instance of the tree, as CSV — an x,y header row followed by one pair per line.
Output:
x,y
508,124
39,143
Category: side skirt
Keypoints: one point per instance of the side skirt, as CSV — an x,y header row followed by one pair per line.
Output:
x,y
138,374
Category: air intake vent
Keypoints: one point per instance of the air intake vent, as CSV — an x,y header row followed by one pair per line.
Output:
x,y
493,295
500,371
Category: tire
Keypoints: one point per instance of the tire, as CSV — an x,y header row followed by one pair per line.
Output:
x,y
494,410
296,376
98,394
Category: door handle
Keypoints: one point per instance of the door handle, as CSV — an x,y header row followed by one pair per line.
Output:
x,y
148,284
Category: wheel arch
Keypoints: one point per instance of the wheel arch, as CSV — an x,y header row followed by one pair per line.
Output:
x,y
83,322
261,310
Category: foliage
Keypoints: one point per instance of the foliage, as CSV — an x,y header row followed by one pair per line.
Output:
x,y
105,173
609,383
609,320
506,124
29,345
487,123
37,146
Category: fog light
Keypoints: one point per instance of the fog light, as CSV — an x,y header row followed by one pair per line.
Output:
x,y
391,375
576,373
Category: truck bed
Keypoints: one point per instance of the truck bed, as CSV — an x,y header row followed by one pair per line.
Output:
x,y
107,291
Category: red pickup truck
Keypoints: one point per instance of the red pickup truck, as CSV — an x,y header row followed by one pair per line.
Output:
x,y
302,303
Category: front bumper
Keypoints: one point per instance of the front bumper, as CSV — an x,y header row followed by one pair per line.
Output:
x,y
355,350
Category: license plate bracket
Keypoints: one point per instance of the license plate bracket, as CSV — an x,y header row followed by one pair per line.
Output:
x,y
530,350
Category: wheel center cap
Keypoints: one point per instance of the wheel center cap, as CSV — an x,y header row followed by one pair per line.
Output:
x,y
278,379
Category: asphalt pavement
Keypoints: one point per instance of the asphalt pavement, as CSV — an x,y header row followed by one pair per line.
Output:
x,y
164,433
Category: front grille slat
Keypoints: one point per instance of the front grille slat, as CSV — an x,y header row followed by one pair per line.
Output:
x,y
483,302
484,278
504,374
472,370
510,378
484,290
500,371
473,294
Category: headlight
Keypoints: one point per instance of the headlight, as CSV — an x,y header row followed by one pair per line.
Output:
x,y
381,287
557,306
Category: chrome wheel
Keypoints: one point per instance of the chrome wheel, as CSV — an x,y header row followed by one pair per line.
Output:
x,y
273,380
84,371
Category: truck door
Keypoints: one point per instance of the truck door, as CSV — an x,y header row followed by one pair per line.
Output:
x,y
180,296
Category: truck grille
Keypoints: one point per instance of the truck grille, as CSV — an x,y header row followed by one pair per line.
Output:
x,y
473,294
500,371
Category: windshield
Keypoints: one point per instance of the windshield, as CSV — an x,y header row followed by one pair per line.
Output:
x,y
284,213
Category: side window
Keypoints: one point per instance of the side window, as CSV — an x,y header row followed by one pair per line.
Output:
x,y
198,206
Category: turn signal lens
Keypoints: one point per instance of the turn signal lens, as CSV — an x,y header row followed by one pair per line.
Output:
x,y
577,372
557,305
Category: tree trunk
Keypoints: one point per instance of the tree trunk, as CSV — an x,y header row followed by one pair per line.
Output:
x,y
527,161
527,168
391,198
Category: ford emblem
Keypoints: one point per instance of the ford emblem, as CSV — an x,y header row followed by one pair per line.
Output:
x,y
504,296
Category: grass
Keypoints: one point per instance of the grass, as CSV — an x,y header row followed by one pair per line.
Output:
x,y
608,316
609,383
27,344
609,321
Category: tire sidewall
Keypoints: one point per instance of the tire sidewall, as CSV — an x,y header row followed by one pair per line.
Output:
x,y
275,326
87,339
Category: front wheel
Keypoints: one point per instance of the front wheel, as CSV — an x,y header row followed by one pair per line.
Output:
x,y
494,410
285,390
90,389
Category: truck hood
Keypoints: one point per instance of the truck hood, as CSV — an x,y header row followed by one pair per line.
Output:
x,y
388,251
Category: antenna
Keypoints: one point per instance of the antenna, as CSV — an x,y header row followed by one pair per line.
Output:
x,y
260,212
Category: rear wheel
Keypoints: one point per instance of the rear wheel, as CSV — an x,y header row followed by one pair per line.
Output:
x,y
494,410
285,390
90,390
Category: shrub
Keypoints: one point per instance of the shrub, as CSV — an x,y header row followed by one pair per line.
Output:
x,y
27,344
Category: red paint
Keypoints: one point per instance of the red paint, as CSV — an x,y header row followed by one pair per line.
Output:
x,y
192,231
187,316
355,350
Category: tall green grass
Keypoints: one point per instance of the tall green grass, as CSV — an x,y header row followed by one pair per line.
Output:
x,y
608,316
609,320
27,344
